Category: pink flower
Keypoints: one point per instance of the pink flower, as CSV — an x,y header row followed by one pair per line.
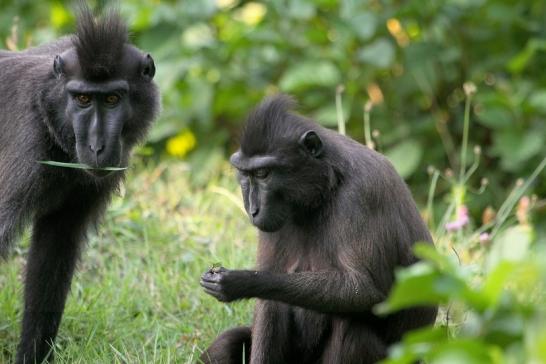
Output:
x,y
462,219
484,238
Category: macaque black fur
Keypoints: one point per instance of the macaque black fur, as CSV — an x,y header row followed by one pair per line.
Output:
x,y
334,221
87,99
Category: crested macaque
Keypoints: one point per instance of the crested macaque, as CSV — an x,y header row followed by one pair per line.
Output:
x,y
85,99
334,220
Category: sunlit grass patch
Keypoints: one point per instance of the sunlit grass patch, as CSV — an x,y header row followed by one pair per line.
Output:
x,y
136,297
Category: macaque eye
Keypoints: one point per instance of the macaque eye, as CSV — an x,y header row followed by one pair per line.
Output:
x,y
83,100
112,99
242,173
261,173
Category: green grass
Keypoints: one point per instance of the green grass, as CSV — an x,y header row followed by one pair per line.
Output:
x,y
80,166
136,297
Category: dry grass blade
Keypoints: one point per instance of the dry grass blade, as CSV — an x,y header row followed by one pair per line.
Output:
x,y
80,166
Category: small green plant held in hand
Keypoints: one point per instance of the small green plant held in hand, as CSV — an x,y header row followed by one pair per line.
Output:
x,y
80,166
215,267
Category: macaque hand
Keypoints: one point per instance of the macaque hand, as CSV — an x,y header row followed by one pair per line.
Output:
x,y
221,283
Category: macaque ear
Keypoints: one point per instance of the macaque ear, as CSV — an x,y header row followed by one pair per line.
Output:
x,y
235,159
147,69
312,143
58,66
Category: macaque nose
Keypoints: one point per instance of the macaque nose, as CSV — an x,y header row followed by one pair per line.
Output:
x,y
96,148
254,211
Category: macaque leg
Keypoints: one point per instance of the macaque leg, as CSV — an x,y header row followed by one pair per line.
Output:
x,y
231,347
353,343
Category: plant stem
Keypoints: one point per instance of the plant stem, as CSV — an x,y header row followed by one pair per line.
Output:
x,y
430,199
465,138
513,198
339,111
367,132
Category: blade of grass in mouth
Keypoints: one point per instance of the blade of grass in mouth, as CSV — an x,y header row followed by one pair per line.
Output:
x,y
80,166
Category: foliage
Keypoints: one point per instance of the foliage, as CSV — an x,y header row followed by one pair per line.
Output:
x,y
499,320
490,282
217,58
497,317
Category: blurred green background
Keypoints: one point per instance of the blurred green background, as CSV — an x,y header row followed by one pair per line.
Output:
x,y
409,59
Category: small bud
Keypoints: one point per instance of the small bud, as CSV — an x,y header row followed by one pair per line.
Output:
x,y
477,150
519,182
375,133
431,170
490,79
488,215
368,106
449,172
469,88
485,238
522,210
484,182
340,89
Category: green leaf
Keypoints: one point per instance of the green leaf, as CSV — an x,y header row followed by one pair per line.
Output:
x,y
363,24
428,252
379,53
167,127
495,110
416,344
301,9
495,117
536,341
426,335
199,8
512,245
310,74
496,280
199,35
327,115
538,101
420,284
519,62
80,166
506,327
405,157
461,351
516,147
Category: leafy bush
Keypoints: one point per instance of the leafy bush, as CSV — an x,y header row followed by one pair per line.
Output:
x,y
501,319
217,58
489,280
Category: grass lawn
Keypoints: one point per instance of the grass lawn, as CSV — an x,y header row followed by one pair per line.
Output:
x,y
136,296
